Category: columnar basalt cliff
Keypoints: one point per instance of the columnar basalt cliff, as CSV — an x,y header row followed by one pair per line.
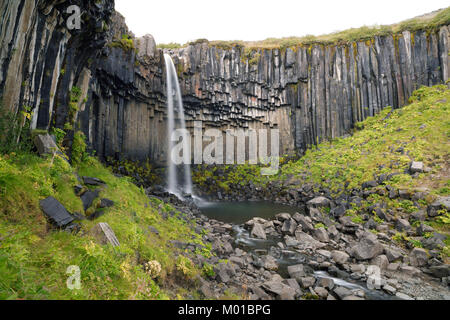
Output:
x,y
41,58
309,92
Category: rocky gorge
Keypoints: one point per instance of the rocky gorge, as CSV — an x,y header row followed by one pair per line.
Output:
x,y
289,258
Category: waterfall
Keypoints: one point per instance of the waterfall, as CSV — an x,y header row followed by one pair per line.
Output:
x,y
179,180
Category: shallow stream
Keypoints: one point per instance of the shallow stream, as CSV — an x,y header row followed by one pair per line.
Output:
x,y
237,213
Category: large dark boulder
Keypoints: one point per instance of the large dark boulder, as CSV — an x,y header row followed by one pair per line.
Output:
x,y
367,249
55,212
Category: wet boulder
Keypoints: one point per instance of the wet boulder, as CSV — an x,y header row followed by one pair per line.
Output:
x,y
258,231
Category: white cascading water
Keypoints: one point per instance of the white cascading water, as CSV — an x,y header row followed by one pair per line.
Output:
x,y
176,185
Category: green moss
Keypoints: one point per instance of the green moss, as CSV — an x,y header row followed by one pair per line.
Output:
x,y
78,149
171,45
126,43
144,170
34,260
320,225
208,270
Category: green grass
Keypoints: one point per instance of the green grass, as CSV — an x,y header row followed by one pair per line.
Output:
x,y
34,260
171,45
126,43
346,163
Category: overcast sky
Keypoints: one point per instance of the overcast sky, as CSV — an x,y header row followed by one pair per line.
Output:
x,y
185,20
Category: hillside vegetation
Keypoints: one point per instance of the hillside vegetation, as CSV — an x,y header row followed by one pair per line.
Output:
x,y
34,259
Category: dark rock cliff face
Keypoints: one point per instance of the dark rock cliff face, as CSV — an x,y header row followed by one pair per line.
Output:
x,y
310,93
41,58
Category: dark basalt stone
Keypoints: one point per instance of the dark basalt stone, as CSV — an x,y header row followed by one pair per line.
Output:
x,y
93,181
97,214
56,212
88,198
106,203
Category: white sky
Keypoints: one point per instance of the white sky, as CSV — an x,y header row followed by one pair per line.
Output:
x,y
185,20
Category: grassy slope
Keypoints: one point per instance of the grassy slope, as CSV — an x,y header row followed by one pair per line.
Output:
x,y
33,260
346,163
372,150
427,22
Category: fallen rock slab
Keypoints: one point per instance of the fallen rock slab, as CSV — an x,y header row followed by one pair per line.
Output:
x,y
416,167
56,212
45,144
104,234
